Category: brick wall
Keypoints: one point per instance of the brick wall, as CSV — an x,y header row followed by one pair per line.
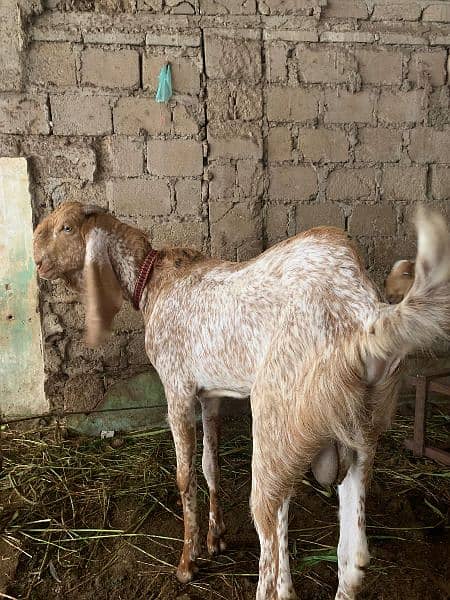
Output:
x,y
287,114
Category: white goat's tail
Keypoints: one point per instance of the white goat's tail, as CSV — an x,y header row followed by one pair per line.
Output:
x,y
423,317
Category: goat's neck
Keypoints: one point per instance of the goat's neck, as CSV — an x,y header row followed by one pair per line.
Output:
x,y
127,249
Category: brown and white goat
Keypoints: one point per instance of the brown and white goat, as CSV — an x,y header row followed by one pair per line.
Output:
x,y
300,329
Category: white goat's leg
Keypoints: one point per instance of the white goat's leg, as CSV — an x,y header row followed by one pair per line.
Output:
x,y
266,527
353,553
269,502
274,581
285,589
272,483
210,464
182,423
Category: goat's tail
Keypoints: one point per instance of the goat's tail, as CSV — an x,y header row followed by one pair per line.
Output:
x,y
423,316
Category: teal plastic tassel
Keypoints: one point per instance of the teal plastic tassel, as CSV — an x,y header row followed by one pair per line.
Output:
x,y
164,91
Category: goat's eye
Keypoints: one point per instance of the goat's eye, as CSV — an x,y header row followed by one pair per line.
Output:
x,y
67,228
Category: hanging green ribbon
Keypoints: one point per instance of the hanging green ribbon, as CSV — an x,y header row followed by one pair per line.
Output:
x,y
164,91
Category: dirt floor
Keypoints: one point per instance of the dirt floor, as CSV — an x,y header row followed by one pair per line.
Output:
x,y
80,519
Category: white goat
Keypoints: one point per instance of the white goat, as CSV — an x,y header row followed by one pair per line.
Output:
x,y
399,281
300,329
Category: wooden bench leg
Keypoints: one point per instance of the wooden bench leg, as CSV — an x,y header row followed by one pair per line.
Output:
x,y
420,414
417,444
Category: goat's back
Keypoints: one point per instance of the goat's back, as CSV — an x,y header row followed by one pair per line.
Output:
x,y
223,315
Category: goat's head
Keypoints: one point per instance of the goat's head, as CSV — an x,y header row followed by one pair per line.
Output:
x,y
71,243
399,281
60,240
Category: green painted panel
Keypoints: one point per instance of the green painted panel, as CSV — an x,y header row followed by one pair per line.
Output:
x,y
143,390
21,362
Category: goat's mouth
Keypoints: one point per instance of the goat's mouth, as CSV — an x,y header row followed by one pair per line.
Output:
x,y
47,273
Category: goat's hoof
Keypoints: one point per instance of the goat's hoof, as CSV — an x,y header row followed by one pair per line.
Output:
x,y
286,593
350,581
344,595
185,574
215,544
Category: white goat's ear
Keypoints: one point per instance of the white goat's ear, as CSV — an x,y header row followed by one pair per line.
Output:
x,y
93,209
102,292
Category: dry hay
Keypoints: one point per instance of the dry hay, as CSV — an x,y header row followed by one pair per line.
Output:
x,y
57,492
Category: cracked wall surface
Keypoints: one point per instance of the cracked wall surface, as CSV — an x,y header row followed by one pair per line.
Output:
x,y
286,114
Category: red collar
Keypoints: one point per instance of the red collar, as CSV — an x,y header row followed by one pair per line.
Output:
x,y
144,274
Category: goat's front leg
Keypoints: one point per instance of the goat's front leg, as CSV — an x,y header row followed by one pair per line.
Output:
x,y
210,464
182,423
353,553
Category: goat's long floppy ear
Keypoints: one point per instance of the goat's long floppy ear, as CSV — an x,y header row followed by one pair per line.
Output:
x,y
102,293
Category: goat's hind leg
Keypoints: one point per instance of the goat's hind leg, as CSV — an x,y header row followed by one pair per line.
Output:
x,y
182,423
271,489
271,522
353,553
285,589
210,465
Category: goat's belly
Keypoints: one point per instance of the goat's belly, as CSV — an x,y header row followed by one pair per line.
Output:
x,y
231,375
224,393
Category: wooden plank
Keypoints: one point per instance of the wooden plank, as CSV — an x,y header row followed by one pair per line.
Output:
x,y
440,386
21,360
438,455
